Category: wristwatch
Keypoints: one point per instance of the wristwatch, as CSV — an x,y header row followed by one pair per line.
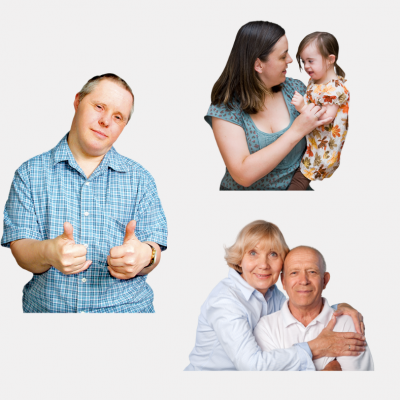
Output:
x,y
153,256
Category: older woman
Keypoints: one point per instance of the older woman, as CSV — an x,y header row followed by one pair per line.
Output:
x,y
258,131
224,339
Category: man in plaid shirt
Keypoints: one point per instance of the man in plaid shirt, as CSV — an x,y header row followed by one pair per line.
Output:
x,y
86,221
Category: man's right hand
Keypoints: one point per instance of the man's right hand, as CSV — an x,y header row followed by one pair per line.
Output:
x,y
336,344
65,255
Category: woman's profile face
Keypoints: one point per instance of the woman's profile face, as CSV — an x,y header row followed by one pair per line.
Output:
x,y
273,71
261,267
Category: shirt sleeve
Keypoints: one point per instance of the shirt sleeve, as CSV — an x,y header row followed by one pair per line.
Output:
x,y
364,361
151,224
224,112
334,93
20,220
235,335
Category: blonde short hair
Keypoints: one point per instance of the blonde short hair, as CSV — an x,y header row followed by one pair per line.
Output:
x,y
252,234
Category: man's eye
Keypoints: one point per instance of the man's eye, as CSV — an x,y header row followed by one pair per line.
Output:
x,y
98,106
118,117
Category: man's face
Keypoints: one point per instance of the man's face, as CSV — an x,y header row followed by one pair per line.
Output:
x,y
100,118
303,279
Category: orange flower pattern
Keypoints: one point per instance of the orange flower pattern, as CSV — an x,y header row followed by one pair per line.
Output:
x,y
325,143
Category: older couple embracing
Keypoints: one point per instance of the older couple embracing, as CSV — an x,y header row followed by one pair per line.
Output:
x,y
246,323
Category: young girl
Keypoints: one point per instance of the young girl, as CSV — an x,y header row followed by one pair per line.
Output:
x,y
319,52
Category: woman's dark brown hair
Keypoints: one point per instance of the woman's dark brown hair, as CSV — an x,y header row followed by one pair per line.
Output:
x,y
326,45
239,80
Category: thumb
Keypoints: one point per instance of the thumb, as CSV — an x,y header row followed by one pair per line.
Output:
x,y
68,231
331,323
130,231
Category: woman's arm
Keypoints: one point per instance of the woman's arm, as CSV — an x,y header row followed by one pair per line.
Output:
x,y
235,335
247,168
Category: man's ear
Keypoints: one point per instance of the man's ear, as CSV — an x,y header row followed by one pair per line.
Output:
x,y
327,277
258,66
76,102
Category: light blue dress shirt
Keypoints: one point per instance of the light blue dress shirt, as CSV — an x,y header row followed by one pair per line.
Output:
x,y
225,340
51,189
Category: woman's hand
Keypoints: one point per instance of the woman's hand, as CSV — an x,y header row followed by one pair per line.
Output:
x,y
298,102
309,119
358,319
332,366
336,344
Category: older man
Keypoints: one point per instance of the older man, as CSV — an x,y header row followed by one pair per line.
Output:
x,y
307,313
86,221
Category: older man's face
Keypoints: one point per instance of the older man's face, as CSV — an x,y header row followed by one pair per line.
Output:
x,y
100,117
303,279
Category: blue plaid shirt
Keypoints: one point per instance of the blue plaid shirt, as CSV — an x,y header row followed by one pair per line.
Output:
x,y
51,189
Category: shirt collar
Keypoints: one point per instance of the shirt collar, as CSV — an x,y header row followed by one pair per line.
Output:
x,y
323,317
245,288
112,159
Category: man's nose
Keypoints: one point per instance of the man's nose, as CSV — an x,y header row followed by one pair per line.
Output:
x,y
304,278
104,120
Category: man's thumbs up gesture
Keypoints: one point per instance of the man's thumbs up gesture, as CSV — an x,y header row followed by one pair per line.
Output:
x,y
65,255
126,261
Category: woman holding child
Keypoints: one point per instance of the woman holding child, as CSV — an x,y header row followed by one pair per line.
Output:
x,y
224,338
254,112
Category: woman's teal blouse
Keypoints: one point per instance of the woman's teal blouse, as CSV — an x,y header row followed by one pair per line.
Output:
x,y
281,176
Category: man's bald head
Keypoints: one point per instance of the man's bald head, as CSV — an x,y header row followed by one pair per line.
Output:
x,y
302,250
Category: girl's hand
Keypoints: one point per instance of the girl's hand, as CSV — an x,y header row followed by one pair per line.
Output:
x,y
298,101
310,118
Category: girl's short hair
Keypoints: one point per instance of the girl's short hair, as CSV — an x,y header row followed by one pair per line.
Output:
x,y
250,236
239,80
326,44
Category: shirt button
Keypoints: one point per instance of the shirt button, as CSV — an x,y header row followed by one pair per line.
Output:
x,y
86,245
86,213
83,280
87,183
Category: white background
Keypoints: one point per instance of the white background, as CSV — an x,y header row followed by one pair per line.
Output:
x,y
171,53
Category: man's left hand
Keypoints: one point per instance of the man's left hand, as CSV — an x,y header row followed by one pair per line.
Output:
x,y
126,261
358,319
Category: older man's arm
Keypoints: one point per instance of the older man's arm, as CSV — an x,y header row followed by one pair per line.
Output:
x,y
362,362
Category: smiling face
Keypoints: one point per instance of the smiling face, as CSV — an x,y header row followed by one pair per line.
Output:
x,y
315,65
99,118
303,278
273,71
261,267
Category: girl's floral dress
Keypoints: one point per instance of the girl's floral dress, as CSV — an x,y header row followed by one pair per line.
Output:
x,y
325,143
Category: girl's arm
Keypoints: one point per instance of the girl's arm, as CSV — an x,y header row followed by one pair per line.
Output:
x,y
247,168
331,110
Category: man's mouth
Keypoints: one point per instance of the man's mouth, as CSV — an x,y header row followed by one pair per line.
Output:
x,y
101,134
